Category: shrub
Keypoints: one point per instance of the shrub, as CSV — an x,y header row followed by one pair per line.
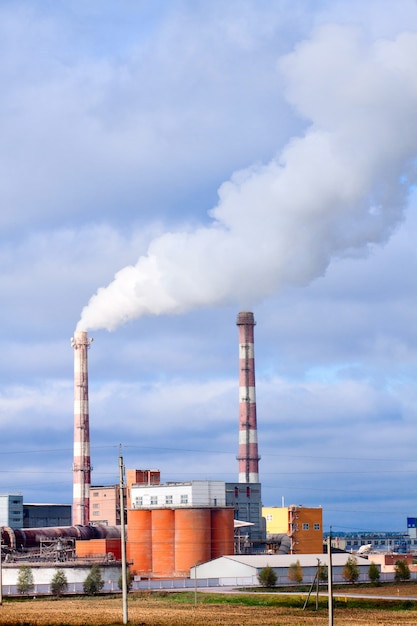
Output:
x,y
373,574
323,573
129,580
267,577
295,572
25,579
94,583
59,583
351,570
402,570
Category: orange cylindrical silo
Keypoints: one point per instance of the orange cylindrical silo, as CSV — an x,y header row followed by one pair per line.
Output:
x,y
163,532
192,539
139,541
222,532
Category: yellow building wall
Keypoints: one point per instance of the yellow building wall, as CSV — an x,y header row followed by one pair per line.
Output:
x,y
276,519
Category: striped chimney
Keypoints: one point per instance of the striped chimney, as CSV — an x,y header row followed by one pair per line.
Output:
x,y
82,464
248,436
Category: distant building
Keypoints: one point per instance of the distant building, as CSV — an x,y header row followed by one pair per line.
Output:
x,y
303,526
46,515
412,527
11,510
397,542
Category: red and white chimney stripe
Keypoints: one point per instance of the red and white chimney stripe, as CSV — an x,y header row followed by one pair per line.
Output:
x,y
248,435
82,463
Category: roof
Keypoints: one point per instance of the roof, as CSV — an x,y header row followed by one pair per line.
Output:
x,y
285,560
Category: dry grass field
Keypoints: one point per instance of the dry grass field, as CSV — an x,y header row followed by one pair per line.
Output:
x,y
151,610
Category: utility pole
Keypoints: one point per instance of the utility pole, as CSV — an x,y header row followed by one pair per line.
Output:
x,y
330,577
123,539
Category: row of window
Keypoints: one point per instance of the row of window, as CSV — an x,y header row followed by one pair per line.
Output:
x,y
168,500
316,526
306,526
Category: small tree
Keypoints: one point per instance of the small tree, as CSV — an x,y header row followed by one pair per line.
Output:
x,y
323,573
267,577
25,580
402,570
351,570
373,573
59,583
295,572
129,580
94,583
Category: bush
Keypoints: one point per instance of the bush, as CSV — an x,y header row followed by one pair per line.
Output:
x,y
402,570
94,583
59,583
351,570
25,579
323,573
373,574
295,572
267,577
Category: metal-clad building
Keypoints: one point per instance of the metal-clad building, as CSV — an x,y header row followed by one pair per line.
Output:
x,y
244,568
11,510
46,515
246,499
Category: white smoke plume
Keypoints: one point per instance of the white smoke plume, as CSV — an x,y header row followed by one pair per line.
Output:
x,y
341,186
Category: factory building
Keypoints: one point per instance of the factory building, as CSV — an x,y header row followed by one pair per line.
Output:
x,y
294,529
178,494
244,569
38,515
173,525
245,498
167,542
105,505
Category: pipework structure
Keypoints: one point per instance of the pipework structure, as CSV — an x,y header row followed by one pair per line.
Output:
x,y
248,457
82,462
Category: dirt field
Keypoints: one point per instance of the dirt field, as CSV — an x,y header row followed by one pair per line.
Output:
x,y
150,611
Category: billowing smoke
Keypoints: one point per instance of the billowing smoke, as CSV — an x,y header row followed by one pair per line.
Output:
x,y
338,188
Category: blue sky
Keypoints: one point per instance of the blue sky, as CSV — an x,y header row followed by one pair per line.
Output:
x,y
165,165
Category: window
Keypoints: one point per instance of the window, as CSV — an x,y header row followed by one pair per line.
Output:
x,y
96,506
306,526
96,512
154,499
139,501
316,526
269,517
95,494
184,499
168,499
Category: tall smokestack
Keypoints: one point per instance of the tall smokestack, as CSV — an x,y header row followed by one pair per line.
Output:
x,y
248,435
82,464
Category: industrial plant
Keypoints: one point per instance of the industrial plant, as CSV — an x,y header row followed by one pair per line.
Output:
x,y
173,529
